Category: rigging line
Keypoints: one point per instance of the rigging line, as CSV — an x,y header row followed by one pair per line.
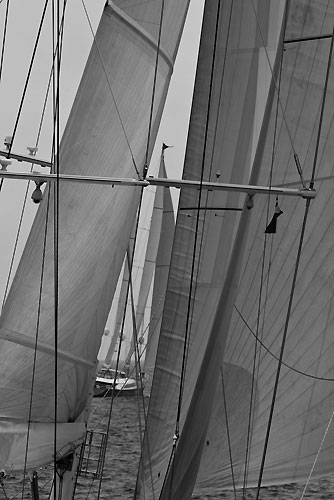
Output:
x,y
252,402
4,39
57,46
129,262
197,222
274,79
228,432
322,111
317,456
2,56
135,338
222,77
192,273
111,91
271,413
257,354
130,266
205,207
305,374
28,75
138,368
25,196
154,84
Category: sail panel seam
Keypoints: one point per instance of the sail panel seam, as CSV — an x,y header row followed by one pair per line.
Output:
x,y
139,30
23,340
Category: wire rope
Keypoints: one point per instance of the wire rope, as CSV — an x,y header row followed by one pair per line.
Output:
x,y
228,434
25,197
28,74
154,84
170,467
300,372
57,47
2,57
111,91
256,362
317,456
276,86
294,279
36,337
129,258
4,39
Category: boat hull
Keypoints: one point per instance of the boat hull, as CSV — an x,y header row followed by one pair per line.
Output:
x,y
121,388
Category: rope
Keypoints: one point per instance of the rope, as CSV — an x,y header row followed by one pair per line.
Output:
x,y
130,260
170,466
322,111
154,83
28,75
228,433
277,88
27,189
2,58
256,354
305,374
280,360
57,34
317,456
111,91
36,339
4,39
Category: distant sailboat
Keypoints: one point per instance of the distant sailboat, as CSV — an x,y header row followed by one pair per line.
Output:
x,y
241,378
130,313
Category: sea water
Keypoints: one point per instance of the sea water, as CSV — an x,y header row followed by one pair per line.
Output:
x,y
122,456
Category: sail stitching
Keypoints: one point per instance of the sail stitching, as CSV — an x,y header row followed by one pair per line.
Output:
x,y
111,91
170,467
257,354
142,32
36,344
276,87
154,88
228,432
317,456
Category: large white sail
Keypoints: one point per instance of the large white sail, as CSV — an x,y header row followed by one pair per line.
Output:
x,y
160,283
227,125
149,263
269,304
107,132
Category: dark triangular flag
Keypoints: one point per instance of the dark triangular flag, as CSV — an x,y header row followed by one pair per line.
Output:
x,y
271,228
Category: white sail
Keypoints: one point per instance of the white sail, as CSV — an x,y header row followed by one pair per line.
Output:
x,y
163,257
107,132
300,441
149,262
226,136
